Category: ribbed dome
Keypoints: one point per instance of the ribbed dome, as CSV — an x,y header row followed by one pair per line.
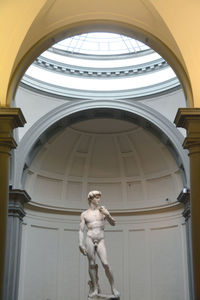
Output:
x,y
131,167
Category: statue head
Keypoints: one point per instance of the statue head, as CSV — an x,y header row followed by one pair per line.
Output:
x,y
92,195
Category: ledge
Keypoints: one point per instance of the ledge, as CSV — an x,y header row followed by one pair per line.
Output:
x,y
120,212
74,70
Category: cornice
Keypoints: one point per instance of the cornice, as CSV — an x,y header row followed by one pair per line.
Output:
x,y
186,115
13,115
74,70
63,92
100,57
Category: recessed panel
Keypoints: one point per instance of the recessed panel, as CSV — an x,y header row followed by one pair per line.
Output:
x,y
124,144
149,152
138,266
41,269
111,192
83,146
70,266
77,166
134,191
48,190
74,192
58,153
161,189
167,264
104,159
130,166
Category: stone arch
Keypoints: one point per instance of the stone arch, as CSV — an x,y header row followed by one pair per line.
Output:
x,y
67,114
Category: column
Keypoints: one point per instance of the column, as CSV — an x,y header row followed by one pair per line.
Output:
x,y
10,118
184,198
17,199
189,118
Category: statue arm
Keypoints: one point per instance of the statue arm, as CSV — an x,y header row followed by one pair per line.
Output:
x,y
111,220
81,235
107,215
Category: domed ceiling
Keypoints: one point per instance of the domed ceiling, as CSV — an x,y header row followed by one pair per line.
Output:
x,y
131,167
100,65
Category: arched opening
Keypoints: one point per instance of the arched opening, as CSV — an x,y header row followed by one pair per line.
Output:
x,y
99,26
106,149
65,115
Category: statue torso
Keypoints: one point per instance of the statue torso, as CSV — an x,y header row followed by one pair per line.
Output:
x,y
94,221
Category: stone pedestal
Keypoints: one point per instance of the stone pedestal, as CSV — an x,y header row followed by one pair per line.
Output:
x,y
104,297
17,199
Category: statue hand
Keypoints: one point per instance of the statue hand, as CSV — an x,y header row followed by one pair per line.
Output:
x,y
104,211
83,250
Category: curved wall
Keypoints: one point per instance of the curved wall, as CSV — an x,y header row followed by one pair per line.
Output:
x,y
147,254
132,168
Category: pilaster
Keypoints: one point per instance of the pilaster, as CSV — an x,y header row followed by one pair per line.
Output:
x,y
184,198
17,199
10,118
189,118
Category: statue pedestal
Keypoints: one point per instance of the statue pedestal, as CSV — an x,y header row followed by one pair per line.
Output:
x,y
104,297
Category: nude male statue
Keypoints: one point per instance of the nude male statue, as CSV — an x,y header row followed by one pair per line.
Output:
x,y
94,218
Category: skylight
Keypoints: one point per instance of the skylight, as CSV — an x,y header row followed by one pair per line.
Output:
x,y
96,65
101,43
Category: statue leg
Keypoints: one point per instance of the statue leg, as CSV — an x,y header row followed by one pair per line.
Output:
x,y
91,253
101,251
97,279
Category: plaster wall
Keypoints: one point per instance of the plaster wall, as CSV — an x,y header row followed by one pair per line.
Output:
x,y
167,104
35,105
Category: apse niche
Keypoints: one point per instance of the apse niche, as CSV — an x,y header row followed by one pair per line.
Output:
x,y
133,168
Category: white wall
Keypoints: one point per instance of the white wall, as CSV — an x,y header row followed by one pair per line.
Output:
x,y
147,255
33,106
168,105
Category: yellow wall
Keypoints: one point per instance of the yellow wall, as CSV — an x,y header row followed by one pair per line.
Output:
x,y
170,27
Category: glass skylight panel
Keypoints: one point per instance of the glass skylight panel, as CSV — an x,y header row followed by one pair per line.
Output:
x,y
101,43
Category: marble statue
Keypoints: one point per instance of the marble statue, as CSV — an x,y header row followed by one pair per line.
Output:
x,y
93,218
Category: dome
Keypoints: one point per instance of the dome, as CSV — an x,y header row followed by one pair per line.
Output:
x,y
129,165
100,65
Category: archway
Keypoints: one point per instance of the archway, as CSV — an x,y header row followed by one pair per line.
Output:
x,y
106,26
67,114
